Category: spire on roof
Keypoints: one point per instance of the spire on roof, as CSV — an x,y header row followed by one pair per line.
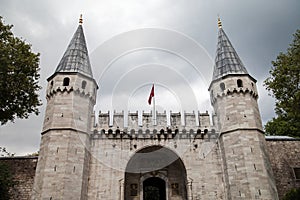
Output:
x,y
80,19
219,23
227,60
76,58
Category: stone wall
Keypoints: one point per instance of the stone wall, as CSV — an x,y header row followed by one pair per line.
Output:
x,y
284,156
110,158
23,170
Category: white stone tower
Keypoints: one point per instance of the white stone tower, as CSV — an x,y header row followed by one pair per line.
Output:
x,y
247,171
64,152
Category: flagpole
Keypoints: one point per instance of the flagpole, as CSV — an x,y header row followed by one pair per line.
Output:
x,y
152,98
154,112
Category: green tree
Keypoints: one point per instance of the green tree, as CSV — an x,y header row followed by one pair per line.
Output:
x,y
5,153
284,85
293,194
19,74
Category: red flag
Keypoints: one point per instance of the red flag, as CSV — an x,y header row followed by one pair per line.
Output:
x,y
151,95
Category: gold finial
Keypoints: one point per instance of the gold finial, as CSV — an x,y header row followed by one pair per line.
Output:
x,y
219,22
80,19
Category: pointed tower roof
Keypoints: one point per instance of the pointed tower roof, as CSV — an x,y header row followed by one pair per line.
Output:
x,y
227,60
76,58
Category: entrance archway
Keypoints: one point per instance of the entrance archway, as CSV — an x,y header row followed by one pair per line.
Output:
x,y
155,170
154,189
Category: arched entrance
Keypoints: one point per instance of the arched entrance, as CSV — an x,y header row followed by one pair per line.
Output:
x,y
155,172
154,189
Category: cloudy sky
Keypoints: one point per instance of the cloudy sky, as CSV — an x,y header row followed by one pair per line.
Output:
x,y
134,43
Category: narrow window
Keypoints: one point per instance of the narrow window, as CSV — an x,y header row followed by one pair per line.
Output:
x,y
51,85
297,173
222,86
83,84
239,83
66,81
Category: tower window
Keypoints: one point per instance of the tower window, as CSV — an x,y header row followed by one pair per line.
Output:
x,y
239,83
83,84
222,86
297,173
51,85
66,81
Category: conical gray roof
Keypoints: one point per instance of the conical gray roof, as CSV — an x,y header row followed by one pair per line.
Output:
x,y
76,58
227,60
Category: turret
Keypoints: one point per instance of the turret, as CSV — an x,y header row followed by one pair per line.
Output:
x,y
64,151
233,91
234,97
71,90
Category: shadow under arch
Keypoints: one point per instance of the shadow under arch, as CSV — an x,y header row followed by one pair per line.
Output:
x,y
155,163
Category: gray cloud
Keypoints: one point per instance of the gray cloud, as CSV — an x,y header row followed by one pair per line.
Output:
x,y
259,30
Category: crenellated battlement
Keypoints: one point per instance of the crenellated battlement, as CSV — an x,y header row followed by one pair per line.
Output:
x,y
141,125
53,91
145,120
231,91
68,89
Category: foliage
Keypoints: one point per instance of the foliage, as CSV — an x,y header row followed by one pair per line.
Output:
x,y
33,154
6,181
19,74
284,85
293,194
5,153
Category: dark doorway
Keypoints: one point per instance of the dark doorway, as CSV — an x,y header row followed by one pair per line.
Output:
x,y
154,189
153,162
